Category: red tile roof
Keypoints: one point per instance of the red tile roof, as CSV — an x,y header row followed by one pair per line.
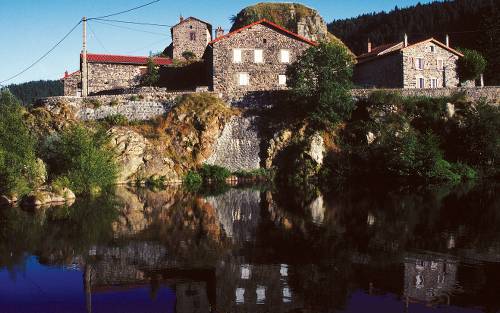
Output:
x,y
271,24
125,59
66,75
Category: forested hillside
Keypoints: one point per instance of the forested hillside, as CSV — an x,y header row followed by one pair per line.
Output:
x,y
28,92
471,24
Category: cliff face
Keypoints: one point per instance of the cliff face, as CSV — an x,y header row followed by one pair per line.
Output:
x,y
297,18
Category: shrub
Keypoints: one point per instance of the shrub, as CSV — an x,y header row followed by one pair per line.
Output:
x,y
192,180
156,182
471,65
134,98
117,119
321,83
85,160
188,55
94,103
114,103
465,171
215,173
60,183
152,76
18,166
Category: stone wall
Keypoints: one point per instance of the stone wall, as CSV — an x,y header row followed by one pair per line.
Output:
x,y
385,72
190,35
104,76
238,147
262,76
491,94
137,106
446,78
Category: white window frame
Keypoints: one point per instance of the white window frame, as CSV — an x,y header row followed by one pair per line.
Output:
x,y
418,80
243,81
258,56
237,56
282,80
431,80
285,56
417,63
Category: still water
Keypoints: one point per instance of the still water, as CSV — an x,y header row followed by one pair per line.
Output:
x,y
418,249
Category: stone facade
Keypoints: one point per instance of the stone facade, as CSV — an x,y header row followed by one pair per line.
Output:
x,y
233,74
71,82
192,35
427,64
108,76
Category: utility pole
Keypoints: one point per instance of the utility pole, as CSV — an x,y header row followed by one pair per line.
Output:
x,y
85,89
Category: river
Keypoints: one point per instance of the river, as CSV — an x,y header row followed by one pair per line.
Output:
x,y
257,249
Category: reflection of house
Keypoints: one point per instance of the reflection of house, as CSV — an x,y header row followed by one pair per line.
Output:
x,y
245,287
428,279
425,64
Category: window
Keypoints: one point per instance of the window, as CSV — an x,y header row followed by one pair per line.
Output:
x,y
261,294
433,83
420,82
192,36
432,48
265,40
419,63
282,80
243,79
240,295
258,56
285,56
237,56
440,64
245,271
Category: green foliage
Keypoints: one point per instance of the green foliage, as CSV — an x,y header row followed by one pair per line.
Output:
x,y
60,183
188,55
152,77
193,180
28,92
94,103
214,173
85,160
321,82
430,20
156,182
117,120
18,166
471,65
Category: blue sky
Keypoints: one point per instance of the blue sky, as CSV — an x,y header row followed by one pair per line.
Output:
x,y
28,28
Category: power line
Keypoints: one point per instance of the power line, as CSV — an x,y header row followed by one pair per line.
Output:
x,y
136,23
129,28
44,55
97,38
147,46
122,12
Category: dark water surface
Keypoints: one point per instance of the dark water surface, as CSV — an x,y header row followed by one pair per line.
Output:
x,y
418,249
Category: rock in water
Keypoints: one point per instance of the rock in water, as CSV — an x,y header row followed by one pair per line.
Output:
x,y
130,148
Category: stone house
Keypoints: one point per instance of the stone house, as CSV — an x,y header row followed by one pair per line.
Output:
x,y
254,58
72,84
426,64
190,35
110,72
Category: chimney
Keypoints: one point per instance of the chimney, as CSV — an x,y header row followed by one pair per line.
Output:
x,y
406,40
181,18
219,32
65,74
447,40
369,46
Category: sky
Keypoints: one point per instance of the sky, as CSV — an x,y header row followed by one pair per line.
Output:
x,y
29,28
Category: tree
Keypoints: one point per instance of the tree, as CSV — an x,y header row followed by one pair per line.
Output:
x,y
471,65
321,83
188,55
152,77
18,166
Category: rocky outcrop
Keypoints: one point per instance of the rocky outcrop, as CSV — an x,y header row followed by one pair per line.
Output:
x,y
47,197
238,147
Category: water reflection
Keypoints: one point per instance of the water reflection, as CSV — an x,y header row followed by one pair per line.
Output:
x,y
254,250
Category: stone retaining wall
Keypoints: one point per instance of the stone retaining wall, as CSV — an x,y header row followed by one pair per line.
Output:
x,y
491,93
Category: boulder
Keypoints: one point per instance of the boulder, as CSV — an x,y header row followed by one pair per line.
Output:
x,y
46,197
130,148
316,149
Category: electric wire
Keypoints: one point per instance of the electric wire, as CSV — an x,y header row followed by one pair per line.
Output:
x,y
129,28
97,38
44,55
122,12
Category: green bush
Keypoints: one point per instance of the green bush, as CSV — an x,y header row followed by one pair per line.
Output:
x,y
18,166
214,173
465,171
152,76
321,83
188,55
84,159
193,180
117,120
60,183
471,65
94,103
